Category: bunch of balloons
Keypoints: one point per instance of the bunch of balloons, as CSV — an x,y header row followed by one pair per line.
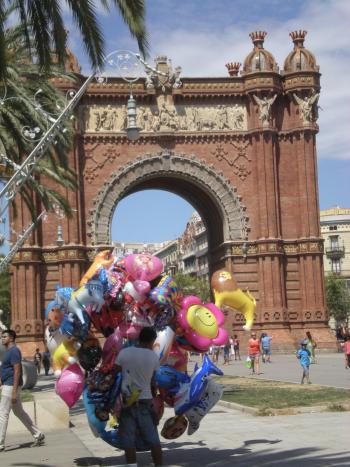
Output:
x,y
117,297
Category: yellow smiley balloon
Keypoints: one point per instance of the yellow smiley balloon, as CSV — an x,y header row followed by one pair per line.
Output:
x,y
202,321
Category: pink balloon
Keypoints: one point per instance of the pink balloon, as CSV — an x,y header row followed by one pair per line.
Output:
x,y
130,330
143,266
70,384
142,287
112,346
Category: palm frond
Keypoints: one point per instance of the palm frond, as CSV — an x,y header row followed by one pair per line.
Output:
x,y
133,13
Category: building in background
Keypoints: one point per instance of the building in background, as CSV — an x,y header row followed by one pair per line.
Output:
x,y
335,230
128,248
187,254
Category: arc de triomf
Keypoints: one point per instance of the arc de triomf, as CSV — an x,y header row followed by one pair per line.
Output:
x,y
241,149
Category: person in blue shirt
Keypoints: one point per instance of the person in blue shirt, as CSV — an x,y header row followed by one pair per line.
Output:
x,y
11,383
303,354
265,342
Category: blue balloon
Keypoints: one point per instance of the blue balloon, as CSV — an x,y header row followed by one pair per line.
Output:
x,y
190,393
199,379
73,327
97,426
169,378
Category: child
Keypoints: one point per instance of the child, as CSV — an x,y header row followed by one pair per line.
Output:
x,y
303,354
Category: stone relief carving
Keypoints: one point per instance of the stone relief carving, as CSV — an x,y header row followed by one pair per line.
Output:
x,y
95,163
166,118
265,105
308,109
239,161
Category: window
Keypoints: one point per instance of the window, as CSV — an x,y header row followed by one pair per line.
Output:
x,y
333,227
336,266
334,239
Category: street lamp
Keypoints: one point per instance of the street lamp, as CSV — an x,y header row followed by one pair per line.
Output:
x,y
244,251
132,130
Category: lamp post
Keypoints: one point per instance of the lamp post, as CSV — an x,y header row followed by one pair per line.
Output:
x,y
244,251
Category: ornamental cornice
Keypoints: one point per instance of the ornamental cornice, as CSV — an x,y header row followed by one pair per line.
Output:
x,y
276,247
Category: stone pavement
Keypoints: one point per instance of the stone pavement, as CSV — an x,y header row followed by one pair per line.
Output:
x,y
225,438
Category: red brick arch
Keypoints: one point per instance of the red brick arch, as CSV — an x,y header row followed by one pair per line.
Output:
x,y
206,189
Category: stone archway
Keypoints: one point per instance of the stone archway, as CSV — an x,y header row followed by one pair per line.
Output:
x,y
208,191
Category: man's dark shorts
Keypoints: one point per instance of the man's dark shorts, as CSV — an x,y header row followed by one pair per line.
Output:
x,y
139,420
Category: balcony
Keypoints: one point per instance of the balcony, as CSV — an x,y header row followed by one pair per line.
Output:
x,y
335,252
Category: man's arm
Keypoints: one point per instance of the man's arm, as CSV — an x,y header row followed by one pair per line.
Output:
x,y
16,377
153,385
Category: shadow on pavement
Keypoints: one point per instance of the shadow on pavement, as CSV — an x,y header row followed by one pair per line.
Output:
x,y
240,457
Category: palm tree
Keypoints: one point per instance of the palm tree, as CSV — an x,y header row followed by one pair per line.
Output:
x,y
29,104
43,21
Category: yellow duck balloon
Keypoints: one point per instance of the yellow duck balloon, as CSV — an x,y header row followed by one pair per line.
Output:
x,y
226,293
64,355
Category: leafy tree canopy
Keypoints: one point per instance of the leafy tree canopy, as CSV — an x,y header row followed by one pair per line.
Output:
x,y
193,285
337,297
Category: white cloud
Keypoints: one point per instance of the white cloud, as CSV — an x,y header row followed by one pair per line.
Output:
x,y
204,51
203,35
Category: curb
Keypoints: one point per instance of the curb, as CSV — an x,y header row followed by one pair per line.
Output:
x,y
275,412
235,406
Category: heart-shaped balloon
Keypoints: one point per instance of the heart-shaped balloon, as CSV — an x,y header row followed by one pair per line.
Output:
x,y
70,384
143,266
142,287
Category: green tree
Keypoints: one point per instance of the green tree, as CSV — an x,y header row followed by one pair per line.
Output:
x,y
44,27
337,297
22,116
5,297
193,285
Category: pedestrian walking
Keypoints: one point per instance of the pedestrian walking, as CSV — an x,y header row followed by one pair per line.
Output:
x,y
37,360
138,365
46,362
232,348
346,348
254,353
236,347
265,341
227,353
303,354
11,385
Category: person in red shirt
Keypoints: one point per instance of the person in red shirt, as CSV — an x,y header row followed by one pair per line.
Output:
x,y
346,348
254,353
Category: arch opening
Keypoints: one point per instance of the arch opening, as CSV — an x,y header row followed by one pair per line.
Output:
x,y
208,191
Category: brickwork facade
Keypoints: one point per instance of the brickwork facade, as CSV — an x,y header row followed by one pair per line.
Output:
x,y
241,150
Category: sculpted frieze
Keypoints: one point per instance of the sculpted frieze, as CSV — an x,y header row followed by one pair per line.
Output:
x,y
165,118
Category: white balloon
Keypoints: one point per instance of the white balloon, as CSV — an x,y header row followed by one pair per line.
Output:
x,y
162,345
53,339
194,415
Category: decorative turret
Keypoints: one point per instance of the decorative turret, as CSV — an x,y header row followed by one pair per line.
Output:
x,y
300,59
259,59
233,68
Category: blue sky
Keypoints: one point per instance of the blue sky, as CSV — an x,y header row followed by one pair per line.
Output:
x,y
201,36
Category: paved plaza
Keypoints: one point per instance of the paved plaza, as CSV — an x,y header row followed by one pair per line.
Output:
x,y
225,438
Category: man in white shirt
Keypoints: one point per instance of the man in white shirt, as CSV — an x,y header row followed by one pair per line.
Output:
x,y
138,365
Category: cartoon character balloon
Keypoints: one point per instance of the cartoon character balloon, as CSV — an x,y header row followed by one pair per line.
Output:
x,y
201,323
226,292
